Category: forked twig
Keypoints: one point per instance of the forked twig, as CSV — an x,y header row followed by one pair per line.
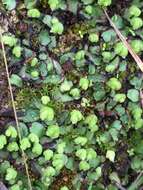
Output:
x,y
122,38
14,110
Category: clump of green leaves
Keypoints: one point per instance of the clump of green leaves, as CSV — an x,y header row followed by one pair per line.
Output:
x,y
46,113
121,50
56,26
17,51
104,3
59,160
84,83
80,55
93,37
136,23
53,4
137,45
53,131
89,9
33,138
75,92
76,116
91,120
11,174
133,95
3,141
16,80
80,140
9,40
13,147
11,132
66,86
25,143
34,62
35,74
45,100
114,84
134,11
84,165
37,149
120,97
48,154
33,13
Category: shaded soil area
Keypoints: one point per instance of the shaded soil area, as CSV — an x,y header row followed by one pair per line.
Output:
x,y
4,97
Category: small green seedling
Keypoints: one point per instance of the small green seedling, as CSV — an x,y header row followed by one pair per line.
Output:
x,y
137,113
46,113
80,55
61,147
34,62
91,120
3,141
134,11
137,45
104,3
25,143
33,13
121,50
114,84
138,124
89,9
37,149
81,154
120,97
136,23
75,92
16,80
59,160
35,74
48,154
9,40
11,132
84,83
11,174
133,95
80,140
56,26
66,86
54,4
93,37
84,165
33,138
13,147
91,154
17,51
45,100
53,131
76,116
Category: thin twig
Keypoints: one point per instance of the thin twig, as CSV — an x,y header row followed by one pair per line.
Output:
x,y
123,39
14,110
138,181
141,97
119,186
138,177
